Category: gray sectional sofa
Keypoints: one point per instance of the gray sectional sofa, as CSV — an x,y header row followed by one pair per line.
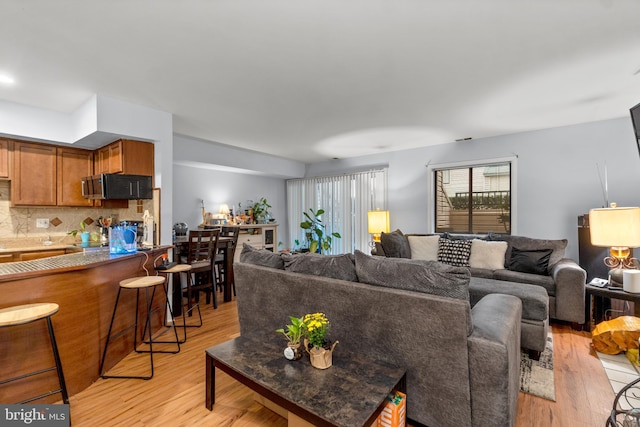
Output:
x,y
462,363
562,278
535,270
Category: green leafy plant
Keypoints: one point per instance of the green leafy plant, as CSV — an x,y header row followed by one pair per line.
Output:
x,y
315,232
261,208
294,331
316,327
82,229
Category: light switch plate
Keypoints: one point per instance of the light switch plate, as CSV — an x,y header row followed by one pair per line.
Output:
x,y
42,223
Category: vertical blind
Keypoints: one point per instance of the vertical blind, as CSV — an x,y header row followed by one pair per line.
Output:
x,y
346,199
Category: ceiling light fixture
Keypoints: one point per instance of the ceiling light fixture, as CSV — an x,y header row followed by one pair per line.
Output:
x,y
6,79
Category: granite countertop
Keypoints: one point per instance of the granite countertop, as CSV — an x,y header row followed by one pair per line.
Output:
x,y
85,257
29,244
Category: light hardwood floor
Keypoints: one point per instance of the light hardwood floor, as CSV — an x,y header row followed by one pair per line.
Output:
x,y
175,396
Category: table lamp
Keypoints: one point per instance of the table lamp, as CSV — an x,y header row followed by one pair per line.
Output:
x,y
378,223
618,229
224,210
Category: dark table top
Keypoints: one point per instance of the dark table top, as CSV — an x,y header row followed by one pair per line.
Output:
x,y
346,394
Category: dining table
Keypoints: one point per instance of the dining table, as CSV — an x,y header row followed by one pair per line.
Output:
x,y
181,246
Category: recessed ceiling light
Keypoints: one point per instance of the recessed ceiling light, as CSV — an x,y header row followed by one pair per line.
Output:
x,y
6,79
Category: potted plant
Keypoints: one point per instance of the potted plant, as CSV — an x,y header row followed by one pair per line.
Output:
x,y
261,211
315,232
315,329
293,334
84,234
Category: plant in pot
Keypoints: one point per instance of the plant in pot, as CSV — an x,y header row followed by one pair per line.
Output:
x,y
261,211
314,231
293,334
84,234
316,329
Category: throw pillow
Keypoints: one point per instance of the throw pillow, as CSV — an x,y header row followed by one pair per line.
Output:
x,y
424,247
395,244
429,277
333,266
454,252
263,257
527,243
489,255
534,261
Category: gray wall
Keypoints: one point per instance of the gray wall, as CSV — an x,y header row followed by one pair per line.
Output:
x,y
192,184
557,176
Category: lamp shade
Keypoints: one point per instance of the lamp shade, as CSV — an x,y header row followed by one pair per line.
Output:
x,y
615,227
224,209
378,222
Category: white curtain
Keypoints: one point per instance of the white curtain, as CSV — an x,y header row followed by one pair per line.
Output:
x,y
346,199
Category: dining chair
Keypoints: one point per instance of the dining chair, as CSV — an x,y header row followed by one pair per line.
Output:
x,y
224,258
202,248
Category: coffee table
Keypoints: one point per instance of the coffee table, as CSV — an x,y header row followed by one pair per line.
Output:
x,y
350,393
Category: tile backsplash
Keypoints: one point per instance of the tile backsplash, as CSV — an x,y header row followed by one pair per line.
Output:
x,y
20,222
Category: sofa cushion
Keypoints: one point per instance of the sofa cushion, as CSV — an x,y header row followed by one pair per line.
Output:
x,y
535,301
481,272
454,252
534,261
263,257
395,244
533,279
429,277
424,247
333,266
489,255
527,244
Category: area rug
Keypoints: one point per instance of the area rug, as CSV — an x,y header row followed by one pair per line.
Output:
x,y
536,376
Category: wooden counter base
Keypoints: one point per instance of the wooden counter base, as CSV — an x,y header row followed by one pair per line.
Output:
x,y
86,296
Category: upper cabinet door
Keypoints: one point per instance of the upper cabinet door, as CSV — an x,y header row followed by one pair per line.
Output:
x,y
5,147
73,165
109,158
34,175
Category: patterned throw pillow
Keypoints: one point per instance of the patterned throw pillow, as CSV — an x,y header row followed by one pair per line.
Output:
x,y
454,252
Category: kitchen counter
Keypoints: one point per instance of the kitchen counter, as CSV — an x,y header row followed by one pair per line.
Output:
x,y
84,285
84,257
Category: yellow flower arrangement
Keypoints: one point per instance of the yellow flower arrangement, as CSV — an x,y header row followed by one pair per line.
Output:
x,y
316,327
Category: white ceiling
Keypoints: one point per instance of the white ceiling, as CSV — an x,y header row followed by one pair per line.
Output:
x,y
313,80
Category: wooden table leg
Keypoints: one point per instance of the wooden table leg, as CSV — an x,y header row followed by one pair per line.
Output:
x,y
228,265
210,382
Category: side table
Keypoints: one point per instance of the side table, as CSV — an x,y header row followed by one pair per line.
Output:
x,y
593,310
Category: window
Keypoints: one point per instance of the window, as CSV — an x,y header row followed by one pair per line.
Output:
x,y
473,198
346,199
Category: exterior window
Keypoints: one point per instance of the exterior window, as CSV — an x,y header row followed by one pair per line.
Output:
x,y
473,199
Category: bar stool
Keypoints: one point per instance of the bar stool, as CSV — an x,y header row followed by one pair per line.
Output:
x,y
21,314
178,305
138,283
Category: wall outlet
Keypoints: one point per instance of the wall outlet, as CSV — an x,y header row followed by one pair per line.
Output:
x,y
42,223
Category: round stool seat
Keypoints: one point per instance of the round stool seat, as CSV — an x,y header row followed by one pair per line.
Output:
x,y
178,268
142,282
21,314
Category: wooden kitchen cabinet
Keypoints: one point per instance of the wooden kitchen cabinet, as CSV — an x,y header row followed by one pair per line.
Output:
x,y
73,164
126,156
34,175
5,147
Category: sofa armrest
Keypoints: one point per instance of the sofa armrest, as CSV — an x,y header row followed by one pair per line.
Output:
x,y
570,281
494,360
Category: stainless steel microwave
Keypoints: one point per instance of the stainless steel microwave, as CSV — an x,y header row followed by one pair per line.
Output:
x,y
117,186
